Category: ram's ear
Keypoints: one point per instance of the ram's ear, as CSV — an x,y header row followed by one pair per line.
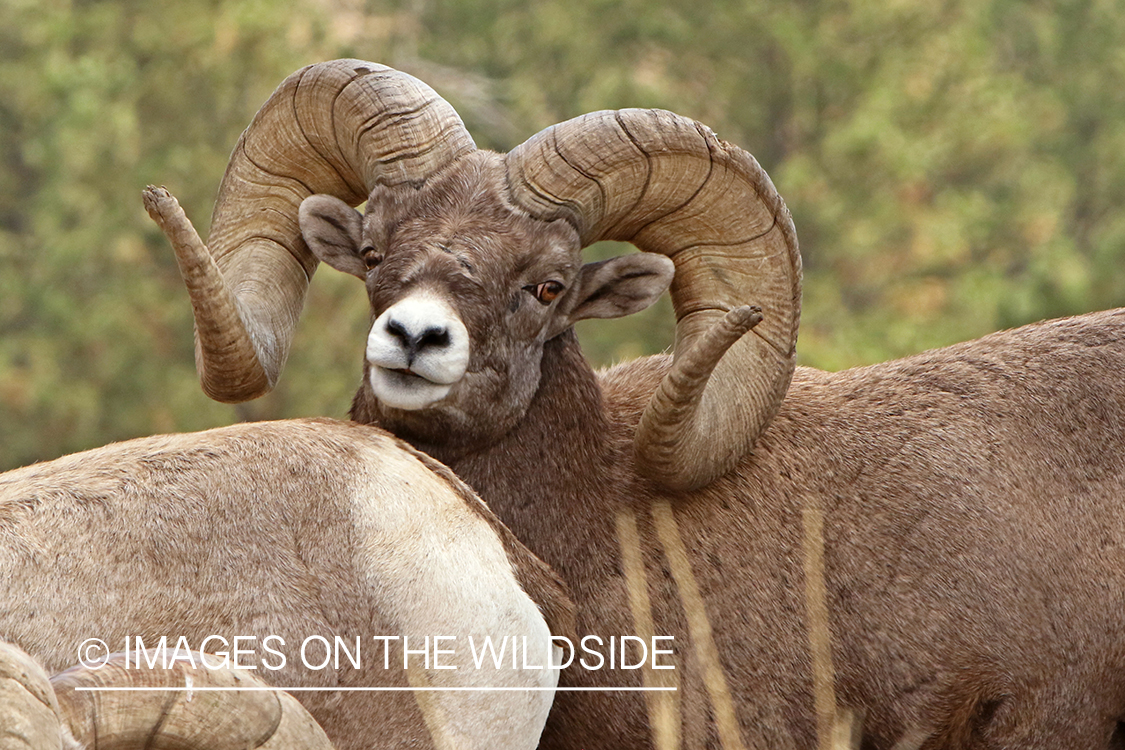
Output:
x,y
619,286
333,230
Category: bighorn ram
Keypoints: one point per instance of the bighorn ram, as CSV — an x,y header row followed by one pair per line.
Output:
x,y
972,497
304,531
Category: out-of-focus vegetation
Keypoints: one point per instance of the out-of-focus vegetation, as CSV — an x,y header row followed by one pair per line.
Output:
x,y
952,168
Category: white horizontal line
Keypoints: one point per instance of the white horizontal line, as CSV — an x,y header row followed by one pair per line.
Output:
x,y
212,689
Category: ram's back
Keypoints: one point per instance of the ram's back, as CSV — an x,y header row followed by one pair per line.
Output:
x,y
974,520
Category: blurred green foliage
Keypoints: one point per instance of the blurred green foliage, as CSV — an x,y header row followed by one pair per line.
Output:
x,y
952,168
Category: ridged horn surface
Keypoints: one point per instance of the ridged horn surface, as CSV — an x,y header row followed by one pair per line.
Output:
x,y
668,185
164,716
28,710
341,128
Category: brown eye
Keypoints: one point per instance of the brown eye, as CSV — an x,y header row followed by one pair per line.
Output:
x,y
371,258
548,291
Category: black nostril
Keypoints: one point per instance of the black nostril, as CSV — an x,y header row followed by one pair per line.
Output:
x,y
398,330
435,337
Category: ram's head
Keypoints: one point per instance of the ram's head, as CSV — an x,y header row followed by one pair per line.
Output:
x,y
472,259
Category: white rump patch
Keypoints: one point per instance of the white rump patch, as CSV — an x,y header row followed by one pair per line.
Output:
x,y
437,568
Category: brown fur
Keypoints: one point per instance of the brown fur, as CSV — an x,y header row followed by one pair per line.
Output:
x,y
246,530
972,502
973,522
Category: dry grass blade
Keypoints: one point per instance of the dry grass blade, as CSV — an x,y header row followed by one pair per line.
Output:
x,y
663,707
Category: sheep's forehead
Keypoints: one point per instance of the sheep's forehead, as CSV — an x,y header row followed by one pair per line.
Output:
x,y
497,244
468,209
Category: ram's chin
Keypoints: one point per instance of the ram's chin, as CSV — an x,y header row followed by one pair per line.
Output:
x,y
406,391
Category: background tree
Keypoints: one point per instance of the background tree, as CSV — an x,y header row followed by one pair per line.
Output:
x,y
952,168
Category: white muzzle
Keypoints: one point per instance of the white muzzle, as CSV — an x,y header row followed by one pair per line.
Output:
x,y
418,348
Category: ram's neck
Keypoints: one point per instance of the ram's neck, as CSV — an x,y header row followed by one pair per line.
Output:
x,y
554,478
546,478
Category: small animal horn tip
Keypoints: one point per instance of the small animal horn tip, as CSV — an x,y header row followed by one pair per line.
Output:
x,y
150,195
160,204
744,317
153,193
723,334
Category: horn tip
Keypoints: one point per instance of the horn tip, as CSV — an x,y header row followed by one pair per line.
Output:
x,y
163,207
744,318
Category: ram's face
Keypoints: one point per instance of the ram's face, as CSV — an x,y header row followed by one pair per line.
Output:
x,y
463,297
465,290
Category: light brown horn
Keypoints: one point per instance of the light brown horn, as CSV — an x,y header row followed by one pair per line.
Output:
x,y
163,714
340,127
28,710
667,184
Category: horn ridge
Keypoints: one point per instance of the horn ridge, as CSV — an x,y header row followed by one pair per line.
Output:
x,y
232,710
668,184
688,200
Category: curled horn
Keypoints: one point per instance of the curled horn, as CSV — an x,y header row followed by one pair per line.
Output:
x,y
164,714
28,709
667,184
340,127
